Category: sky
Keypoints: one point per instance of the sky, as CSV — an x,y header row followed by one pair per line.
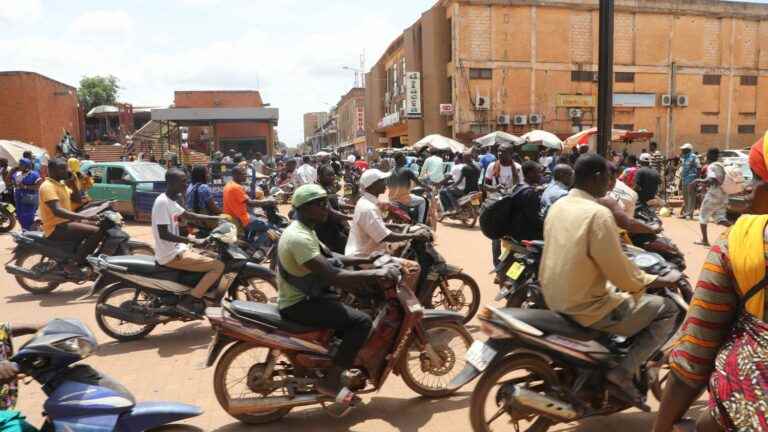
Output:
x,y
292,51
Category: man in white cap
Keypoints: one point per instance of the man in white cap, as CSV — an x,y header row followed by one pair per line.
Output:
x,y
368,233
690,172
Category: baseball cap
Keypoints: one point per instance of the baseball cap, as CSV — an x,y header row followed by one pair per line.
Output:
x,y
307,193
686,146
645,157
371,176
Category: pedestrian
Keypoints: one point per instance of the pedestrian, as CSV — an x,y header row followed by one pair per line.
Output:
x,y
306,173
562,180
657,159
690,172
26,185
647,180
434,167
504,173
628,176
715,202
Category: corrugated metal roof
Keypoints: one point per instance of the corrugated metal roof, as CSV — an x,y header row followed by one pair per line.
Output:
x,y
216,114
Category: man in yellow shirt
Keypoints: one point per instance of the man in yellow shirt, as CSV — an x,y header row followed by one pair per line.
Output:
x,y
60,223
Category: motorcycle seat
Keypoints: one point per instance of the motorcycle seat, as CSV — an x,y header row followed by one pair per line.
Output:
x,y
39,237
266,314
553,322
144,264
467,198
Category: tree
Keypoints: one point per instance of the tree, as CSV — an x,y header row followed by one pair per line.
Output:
x,y
98,90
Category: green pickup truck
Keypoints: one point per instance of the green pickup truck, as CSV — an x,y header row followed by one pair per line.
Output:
x,y
120,181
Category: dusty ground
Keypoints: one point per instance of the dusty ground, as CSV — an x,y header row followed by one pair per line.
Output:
x,y
167,365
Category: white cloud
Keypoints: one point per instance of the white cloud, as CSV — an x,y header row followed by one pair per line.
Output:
x,y
102,23
19,11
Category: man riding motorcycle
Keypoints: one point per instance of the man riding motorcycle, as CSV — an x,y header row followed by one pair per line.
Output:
x,y
465,183
237,203
307,269
59,221
400,184
624,220
171,248
583,268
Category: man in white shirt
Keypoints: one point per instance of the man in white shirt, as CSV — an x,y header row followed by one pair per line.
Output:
x,y
500,174
171,248
434,167
259,166
368,233
306,173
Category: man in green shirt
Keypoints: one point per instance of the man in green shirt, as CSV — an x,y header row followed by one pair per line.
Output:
x,y
307,269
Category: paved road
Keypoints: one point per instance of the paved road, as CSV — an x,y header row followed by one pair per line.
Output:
x,y
168,364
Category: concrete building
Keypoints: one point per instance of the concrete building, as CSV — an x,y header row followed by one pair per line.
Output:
x,y
686,70
37,109
312,122
350,122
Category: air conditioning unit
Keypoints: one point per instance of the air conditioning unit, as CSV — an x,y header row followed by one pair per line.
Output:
x,y
535,119
666,100
681,101
503,119
575,113
482,103
520,120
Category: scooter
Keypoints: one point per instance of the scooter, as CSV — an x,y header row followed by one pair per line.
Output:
x,y
79,397
278,362
39,262
136,294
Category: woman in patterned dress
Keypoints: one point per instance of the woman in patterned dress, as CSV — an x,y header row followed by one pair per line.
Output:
x,y
11,420
724,340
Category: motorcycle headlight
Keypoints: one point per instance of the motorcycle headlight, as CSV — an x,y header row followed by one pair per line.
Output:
x,y
75,345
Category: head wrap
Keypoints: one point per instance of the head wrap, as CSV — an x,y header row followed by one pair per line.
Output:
x,y
757,157
74,165
25,163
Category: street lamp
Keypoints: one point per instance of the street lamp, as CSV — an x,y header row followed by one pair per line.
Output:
x,y
358,72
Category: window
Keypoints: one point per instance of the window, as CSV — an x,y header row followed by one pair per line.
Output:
x,y
117,175
450,39
579,75
627,127
480,128
475,73
625,77
749,80
747,129
709,129
711,80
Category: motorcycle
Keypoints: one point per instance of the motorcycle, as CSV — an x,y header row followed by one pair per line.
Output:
x,y
7,212
468,210
39,263
81,398
658,243
401,214
423,346
281,192
136,294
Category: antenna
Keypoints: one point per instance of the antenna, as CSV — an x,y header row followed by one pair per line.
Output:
x,y
362,69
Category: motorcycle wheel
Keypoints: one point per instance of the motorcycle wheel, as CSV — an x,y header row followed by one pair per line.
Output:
x,y
254,289
464,289
122,295
487,403
451,342
32,258
237,375
7,220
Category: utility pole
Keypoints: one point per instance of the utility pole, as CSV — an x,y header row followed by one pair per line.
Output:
x,y
605,79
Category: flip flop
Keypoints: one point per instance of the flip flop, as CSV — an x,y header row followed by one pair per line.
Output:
x,y
700,243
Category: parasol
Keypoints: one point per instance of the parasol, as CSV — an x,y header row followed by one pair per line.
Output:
x,y
588,137
440,142
499,137
102,111
12,151
544,138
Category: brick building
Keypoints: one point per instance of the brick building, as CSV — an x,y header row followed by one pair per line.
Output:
x,y
37,109
312,122
686,70
350,121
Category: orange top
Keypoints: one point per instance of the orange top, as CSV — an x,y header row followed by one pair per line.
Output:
x,y
235,200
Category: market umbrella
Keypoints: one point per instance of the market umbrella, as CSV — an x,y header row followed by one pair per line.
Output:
x,y
103,111
588,137
544,138
12,151
322,154
440,142
499,137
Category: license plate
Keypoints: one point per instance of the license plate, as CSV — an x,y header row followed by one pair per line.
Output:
x,y
480,355
515,270
476,201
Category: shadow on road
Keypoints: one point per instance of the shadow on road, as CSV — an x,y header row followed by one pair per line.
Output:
x,y
180,341
406,415
60,297
629,421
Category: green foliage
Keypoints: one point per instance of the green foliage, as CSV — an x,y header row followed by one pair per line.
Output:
x,y
98,90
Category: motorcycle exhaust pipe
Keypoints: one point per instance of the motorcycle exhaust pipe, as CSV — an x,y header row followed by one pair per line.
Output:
x,y
255,405
21,271
124,315
543,404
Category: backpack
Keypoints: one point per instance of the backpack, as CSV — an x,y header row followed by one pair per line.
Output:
x,y
733,181
501,215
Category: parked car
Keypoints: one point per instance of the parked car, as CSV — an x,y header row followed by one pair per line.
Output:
x,y
737,203
124,181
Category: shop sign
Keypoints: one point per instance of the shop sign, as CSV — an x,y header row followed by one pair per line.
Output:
x,y
634,100
360,118
446,109
390,119
413,95
576,101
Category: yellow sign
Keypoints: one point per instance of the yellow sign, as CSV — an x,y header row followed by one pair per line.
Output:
x,y
576,101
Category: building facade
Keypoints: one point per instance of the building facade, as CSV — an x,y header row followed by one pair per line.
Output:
x,y
688,71
36,109
350,121
312,122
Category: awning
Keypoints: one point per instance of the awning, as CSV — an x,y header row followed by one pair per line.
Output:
x,y
103,111
206,115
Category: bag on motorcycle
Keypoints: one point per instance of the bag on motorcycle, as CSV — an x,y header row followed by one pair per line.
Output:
x,y
501,214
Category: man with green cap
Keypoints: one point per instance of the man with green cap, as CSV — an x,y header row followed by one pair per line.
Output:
x,y
306,271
